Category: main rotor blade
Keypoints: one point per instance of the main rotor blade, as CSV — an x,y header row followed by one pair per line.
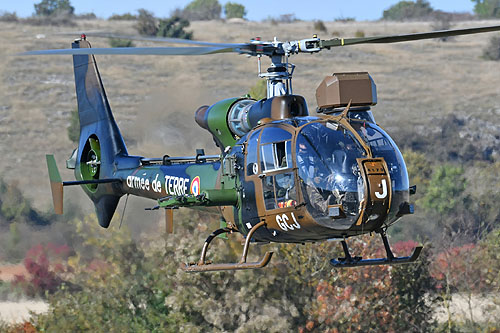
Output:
x,y
404,38
158,39
201,50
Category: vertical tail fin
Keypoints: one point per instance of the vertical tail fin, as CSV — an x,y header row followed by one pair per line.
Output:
x,y
100,139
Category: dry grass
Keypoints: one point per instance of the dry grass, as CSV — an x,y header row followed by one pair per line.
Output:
x,y
154,98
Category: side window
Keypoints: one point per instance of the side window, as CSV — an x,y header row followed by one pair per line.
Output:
x,y
267,158
276,156
252,147
286,193
279,191
268,188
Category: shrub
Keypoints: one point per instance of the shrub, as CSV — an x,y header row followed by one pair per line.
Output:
x,y
146,23
259,90
408,10
234,10
202,10
444,192
113,42
492,50
53,7
86,16
344,19
442,22
45,266
174,27
487,8
15,207
13,204
123,17
287,18
359,34
319,26
8,17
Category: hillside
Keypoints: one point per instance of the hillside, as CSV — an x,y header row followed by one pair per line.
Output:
x,y
154,98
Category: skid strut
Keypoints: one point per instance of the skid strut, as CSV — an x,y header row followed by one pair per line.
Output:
x,y
204,266
349,261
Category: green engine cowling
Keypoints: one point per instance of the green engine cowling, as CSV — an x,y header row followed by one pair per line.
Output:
x,y
230,119
215,120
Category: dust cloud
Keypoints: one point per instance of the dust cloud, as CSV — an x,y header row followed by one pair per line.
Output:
x,y
165,122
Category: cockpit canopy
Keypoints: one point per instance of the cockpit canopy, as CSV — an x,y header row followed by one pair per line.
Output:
x,y
313,161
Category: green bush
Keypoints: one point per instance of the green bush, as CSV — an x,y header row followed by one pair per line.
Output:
x,y
13,204
320,26
123,17
234,10
174,27
53,7
146,23
408,10
445,190
487,8
202,10
113,42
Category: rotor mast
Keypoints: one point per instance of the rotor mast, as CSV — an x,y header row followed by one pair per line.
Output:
x,y
278,76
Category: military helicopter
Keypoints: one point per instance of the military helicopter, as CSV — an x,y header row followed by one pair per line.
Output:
x,y
283,174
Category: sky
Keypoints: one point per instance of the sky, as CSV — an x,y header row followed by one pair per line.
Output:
x,y
326,10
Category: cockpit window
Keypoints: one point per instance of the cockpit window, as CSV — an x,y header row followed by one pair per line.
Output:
x,y
275,149
382,145
327,165
275,156
252,146
274,134
279,191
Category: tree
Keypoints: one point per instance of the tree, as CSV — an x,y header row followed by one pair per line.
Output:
x,y
234,10
202,10
408,10
487,8
54,7
445,189
174,27
146,23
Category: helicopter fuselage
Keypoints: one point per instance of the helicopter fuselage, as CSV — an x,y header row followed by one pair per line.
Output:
x,y
309,178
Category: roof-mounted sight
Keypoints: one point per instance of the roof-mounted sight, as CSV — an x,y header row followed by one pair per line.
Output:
x,y
337,90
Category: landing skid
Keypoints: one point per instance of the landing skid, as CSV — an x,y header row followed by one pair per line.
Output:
x,y
203,266
349,261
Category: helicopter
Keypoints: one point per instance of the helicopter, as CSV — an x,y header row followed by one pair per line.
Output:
x,y
283,175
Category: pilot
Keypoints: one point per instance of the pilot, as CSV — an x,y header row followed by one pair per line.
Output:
x,y
307,165
307,171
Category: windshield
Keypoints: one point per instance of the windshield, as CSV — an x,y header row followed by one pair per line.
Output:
x,y
382,145
329,173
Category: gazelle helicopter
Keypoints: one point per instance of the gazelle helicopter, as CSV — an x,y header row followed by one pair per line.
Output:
x,y
284,174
